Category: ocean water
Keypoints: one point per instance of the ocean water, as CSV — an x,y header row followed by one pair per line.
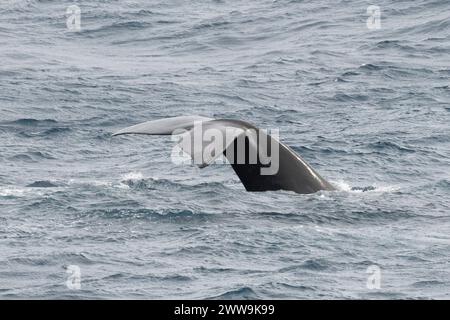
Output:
x,y
365,107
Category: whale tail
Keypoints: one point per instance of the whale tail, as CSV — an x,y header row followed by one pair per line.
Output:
x,y
261,162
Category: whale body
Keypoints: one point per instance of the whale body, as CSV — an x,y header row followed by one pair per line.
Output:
x,y
247,153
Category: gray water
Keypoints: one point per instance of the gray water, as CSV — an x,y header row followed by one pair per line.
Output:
x,y
365,107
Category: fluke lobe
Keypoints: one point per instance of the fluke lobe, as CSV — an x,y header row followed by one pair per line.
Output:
x,y
261,162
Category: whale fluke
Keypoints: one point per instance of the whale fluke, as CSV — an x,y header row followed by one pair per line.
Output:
x,y
261,162
165,126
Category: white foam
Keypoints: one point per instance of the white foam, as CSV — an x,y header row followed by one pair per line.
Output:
x,y
97,183
133,176
19,192
385,188
15,192
342,185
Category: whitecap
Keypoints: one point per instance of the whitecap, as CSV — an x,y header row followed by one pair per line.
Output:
x,y
342,185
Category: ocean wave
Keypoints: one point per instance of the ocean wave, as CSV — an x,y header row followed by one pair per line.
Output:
x,y
389,147
115,28
32,122
237,294
165,213
442,184
430,283
32,156
314,265
51,259
55,131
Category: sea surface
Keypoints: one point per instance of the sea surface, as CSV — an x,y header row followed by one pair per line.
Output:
x,y
367,108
